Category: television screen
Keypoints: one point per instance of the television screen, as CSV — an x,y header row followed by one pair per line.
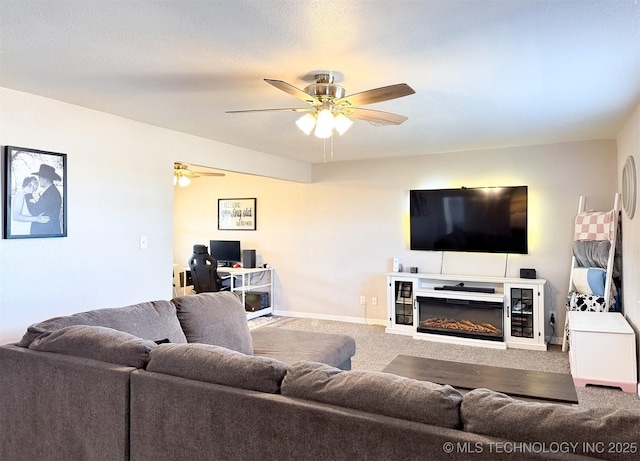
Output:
x,y
225,251
489,220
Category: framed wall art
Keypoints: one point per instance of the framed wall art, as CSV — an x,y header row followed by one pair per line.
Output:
x,y
237,214
35,193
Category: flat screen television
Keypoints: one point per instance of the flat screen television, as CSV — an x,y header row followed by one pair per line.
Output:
x,y
227,252
488,220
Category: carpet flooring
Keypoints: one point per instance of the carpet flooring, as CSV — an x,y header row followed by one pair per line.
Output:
x,y
375,349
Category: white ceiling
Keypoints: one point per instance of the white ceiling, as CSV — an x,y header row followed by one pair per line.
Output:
x,y
486,72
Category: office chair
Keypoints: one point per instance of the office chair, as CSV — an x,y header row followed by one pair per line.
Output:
x,y
204,271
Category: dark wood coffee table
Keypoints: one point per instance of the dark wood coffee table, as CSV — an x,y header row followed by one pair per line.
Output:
x,y
539,385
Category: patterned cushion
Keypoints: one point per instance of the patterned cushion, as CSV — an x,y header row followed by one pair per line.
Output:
x,y
582,302
595,225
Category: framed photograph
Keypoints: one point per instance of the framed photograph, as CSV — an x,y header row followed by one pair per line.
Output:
x,y
237,214
35,193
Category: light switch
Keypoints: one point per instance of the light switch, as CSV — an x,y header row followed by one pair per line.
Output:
x,y
143,242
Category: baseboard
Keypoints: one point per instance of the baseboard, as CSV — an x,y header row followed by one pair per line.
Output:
x,y
336,318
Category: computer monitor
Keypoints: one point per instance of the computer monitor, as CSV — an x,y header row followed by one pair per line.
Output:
x,y
227,252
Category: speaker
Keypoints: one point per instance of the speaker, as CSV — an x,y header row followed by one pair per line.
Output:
x,y
185,279
528,273
249,258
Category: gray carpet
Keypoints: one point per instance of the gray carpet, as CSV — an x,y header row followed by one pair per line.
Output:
x,y
375,349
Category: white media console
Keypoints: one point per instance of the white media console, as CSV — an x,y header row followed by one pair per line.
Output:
x,y
496,312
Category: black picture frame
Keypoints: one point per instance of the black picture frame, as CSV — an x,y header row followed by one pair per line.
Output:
x,y
35,184
237,214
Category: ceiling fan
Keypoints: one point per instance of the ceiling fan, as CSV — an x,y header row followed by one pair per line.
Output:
x,y
328,107
182,175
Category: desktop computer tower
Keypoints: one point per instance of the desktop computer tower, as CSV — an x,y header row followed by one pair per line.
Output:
x,y
249,258
256,300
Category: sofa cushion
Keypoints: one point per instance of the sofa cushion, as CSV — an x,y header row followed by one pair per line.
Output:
x,y
215,318
98,343
218,365
292,346
487,412
152,320
375,392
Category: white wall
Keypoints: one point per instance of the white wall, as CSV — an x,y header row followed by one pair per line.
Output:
x,y
332,240
629,144
119,187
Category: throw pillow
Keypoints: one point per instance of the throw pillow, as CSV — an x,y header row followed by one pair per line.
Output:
x,y
97,343
375,392
589,280
149,320
215,318
218,365
487,412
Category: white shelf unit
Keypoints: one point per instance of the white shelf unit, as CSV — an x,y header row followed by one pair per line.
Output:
x,y
506,291
242,281
245,280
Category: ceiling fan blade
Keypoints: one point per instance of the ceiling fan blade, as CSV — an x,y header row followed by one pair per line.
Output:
x,y
375,116
293,91
201,173
286,109
384,93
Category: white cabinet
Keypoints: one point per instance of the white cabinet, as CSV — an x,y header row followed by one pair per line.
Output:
x,y
496,312
524,316
401,305
602,350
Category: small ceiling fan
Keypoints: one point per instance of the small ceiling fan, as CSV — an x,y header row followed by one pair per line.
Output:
x,y
329,108
182,175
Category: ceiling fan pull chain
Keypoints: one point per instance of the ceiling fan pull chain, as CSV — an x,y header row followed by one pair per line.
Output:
x,y
331,146
324,149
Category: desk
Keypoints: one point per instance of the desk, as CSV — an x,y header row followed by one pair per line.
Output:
x,y
243,281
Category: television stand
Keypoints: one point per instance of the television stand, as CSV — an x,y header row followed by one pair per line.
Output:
x,y
517,320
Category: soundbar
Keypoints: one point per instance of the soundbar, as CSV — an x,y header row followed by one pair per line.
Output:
x,y
463,288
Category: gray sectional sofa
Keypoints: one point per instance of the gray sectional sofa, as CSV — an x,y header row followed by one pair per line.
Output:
x,y
186,380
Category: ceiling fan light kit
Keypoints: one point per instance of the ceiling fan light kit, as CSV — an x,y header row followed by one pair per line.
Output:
x,y
342,123
182,181
331,109
306,123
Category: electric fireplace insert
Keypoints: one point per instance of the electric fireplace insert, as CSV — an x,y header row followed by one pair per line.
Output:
x,y
461,317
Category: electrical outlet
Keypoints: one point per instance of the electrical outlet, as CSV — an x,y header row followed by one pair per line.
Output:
x,y
552,318
363,300
374,301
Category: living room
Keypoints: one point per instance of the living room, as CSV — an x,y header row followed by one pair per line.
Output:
x,y
330,230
